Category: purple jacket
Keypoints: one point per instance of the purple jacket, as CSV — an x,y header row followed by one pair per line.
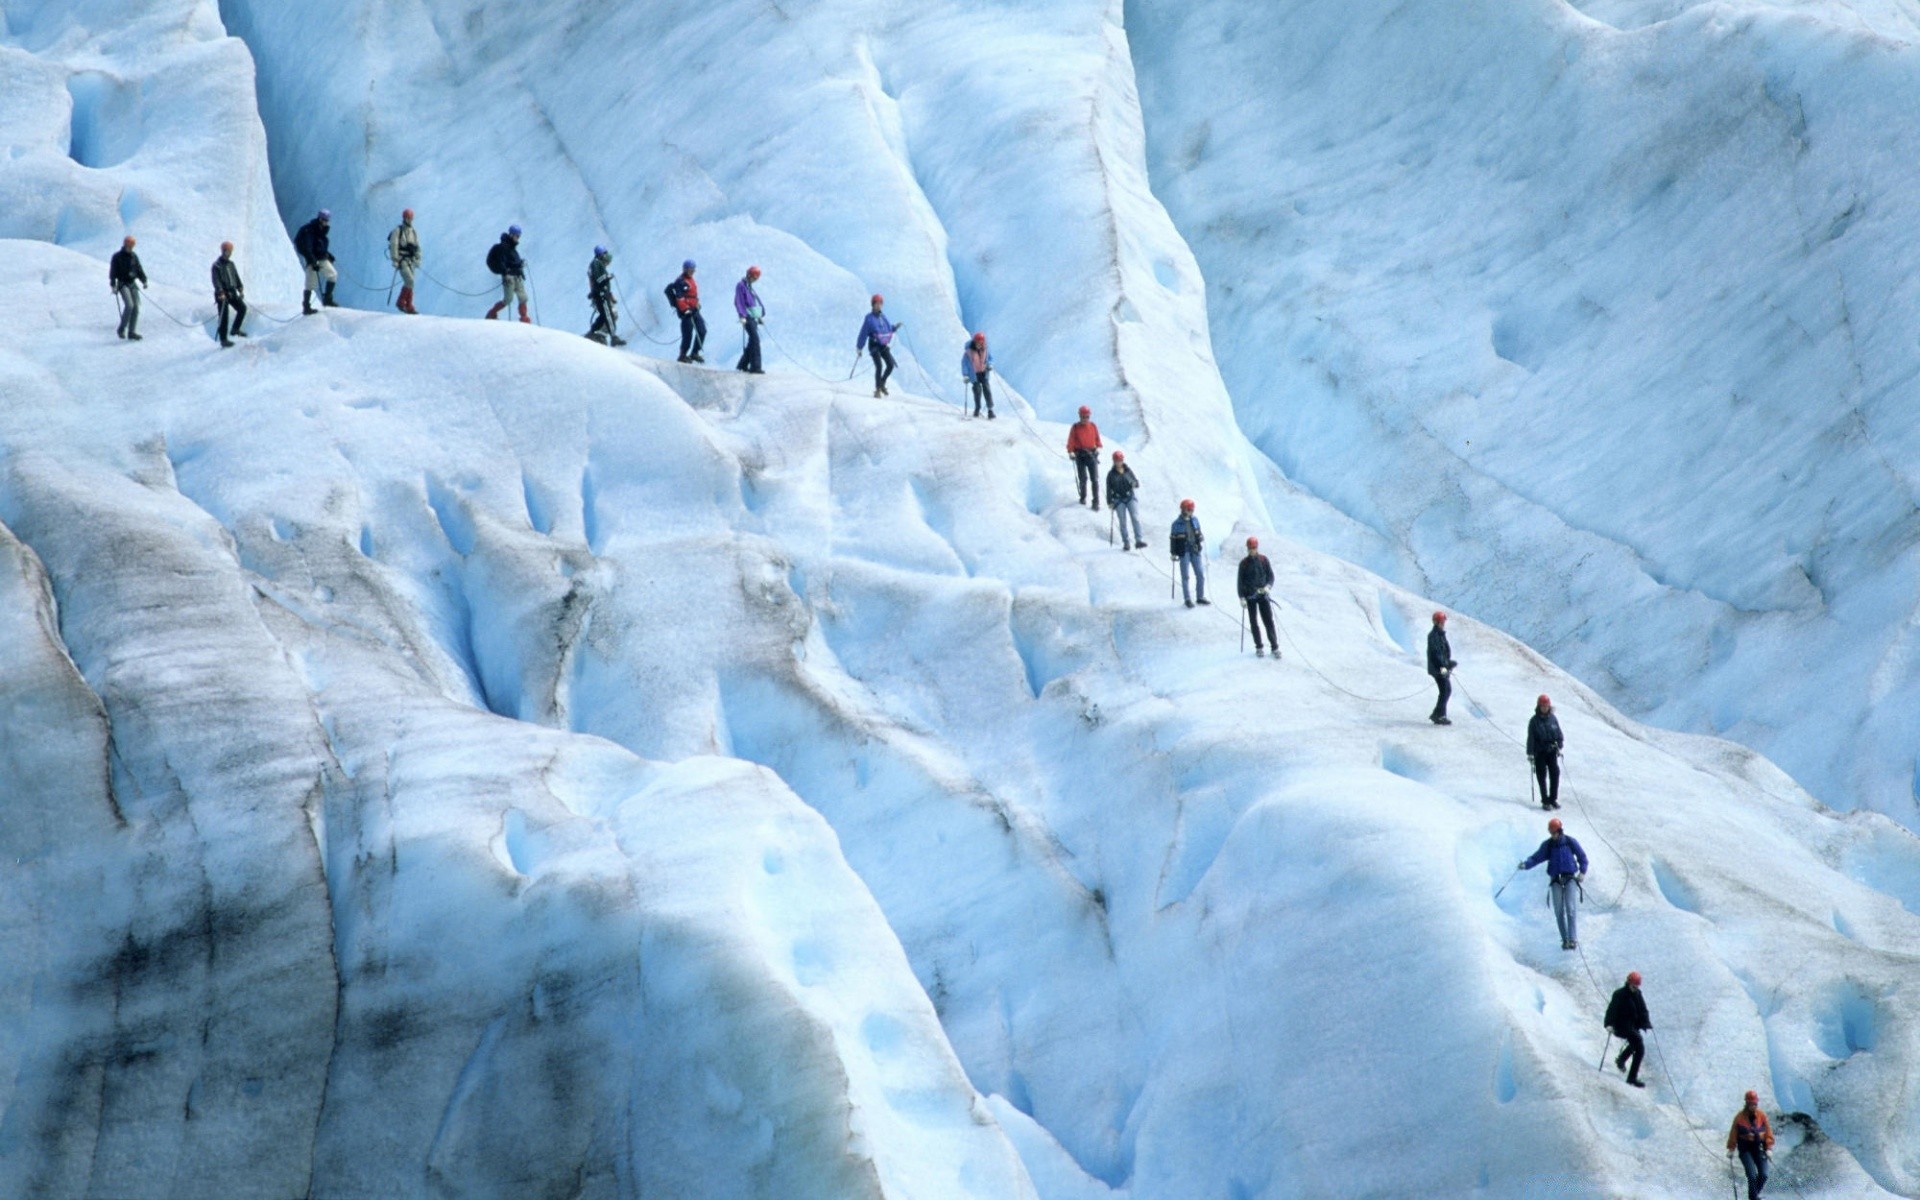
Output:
x,y
746,302
875,328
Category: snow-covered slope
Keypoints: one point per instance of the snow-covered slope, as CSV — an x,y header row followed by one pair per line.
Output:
x,y
406,685
1602,315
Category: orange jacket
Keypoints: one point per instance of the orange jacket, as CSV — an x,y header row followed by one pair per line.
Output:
x,y
1749,1131
1084,435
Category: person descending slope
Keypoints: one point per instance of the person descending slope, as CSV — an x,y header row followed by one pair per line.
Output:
x,y
1544,743
1626,1017
1123,501
1187,544
1083,447
403,251
746,304
317,259
1256,580
229,294
606,314
684,295
1440,665
876,338
1752,1139
1566,871
976,367
125,278
504,260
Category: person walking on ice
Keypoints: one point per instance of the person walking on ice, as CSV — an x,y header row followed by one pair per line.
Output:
x,y
1752,1139
1626,1017
1188,545
1544,743
606,314
1440,665
976,366
125,278
1123,500
1256,580
317,257
1566,871
876,340
1083,446
504,260
684,294
229,294
747,306
403,251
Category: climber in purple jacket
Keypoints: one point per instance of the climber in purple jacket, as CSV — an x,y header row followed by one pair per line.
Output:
x,y
876,338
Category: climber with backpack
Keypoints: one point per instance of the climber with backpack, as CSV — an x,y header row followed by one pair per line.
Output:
x,y
976,365
1752,1139
876,339
606,314
125,278
1256,580
1188,546
1440,665
1123,500
317,258
504,260
1083,447
1544,743
1626,1017
752,313
684,295
403,251
229,295
1566,871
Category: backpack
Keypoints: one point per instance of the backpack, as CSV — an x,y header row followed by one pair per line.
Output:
x,y
493,260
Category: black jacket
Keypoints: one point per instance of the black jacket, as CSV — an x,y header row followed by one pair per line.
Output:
x,y
226,278
311,242
504,258
124,269
1255,573
1627,1010
1121,484
1439,654
1543,736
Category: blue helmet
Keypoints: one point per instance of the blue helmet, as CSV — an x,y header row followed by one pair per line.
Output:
x,y
325,215
600,252
687,265
514,230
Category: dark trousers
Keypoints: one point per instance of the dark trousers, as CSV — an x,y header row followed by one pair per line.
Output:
x,y
1547,770
1754,1160
750,353
603,316
239,312
1631,1054
882,364
1086,468
1262,608
693,332
1446,692
984,390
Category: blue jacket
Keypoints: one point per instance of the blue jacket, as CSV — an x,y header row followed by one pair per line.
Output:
x,y
876,329
968,371
1188,528
1562,855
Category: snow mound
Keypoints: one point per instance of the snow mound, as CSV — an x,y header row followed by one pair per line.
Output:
x,y
426,703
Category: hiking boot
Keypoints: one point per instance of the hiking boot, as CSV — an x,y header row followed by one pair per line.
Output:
x,y
1440,720
1635,1083
241,333
683,358
619,341
227,343
1096,506
697,358
133,337
597,336
1204,600
989,414
1189,604
879,392
1259,651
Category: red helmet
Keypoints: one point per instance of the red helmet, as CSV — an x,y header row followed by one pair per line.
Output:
x,y
753,272
878,299
1085,411
226,247
1439,618
1545,701
1554,825
1119,456
979,339
1186,504
407,214
1753,1098
127,241
1253,543
1633,977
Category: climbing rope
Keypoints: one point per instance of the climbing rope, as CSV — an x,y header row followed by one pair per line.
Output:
x,y
161,309
622,292
764,332
456,291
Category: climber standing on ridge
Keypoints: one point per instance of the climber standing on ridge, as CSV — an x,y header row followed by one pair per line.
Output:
x,y
606,314
746,304
1256,580
1187,544
1083,447
317,258
1123,502
504,260
1566,871
1626,1017
684,295
125,278
403,250
1440,665
976,366
1544,743
1752,1139
876,338
229,294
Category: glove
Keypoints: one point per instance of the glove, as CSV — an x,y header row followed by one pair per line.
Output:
x,y
1580,878
1522,865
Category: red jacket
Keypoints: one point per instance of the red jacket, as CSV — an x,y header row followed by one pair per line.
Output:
x,y
1084,435
1749,1131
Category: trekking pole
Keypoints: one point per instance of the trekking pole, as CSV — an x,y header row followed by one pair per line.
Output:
x,y
1530,782
1109,523
1243,629
1603,1051
1510,879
